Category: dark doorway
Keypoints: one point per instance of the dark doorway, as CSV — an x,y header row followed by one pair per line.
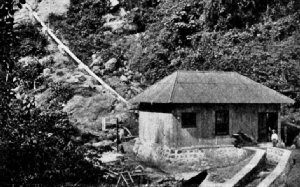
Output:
x,y
289,132
266,122
222,122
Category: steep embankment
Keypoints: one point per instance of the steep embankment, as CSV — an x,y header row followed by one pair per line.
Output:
x,y
131,45
259,39
59,83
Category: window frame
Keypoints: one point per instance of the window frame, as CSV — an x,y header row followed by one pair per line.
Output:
x,y
222,127
188,120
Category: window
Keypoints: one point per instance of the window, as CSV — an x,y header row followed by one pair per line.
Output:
x,y
188,120
222,122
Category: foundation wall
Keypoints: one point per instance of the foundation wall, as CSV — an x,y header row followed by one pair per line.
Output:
x,y
189,155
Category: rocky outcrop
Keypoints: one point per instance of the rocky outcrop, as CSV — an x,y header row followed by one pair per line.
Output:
x,y
111,64
88,112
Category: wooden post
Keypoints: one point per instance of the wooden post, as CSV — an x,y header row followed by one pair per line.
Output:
x,y
117,135
103,124
285,134
279,127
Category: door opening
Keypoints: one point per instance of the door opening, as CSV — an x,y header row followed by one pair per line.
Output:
x,y
266,122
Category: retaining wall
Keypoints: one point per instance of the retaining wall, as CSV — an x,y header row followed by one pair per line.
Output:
x,y
186,155
278,176
238,179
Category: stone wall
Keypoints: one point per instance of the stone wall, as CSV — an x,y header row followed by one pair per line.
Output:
x,y
199,155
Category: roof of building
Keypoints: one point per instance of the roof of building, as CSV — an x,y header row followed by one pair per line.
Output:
x,y
209,87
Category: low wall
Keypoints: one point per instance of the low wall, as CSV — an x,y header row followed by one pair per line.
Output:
x,y
238,179
278,176
203,157
256,161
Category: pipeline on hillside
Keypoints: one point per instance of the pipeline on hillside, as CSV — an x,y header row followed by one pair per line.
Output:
x,y
69,52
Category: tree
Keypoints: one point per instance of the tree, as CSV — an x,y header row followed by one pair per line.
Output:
x,y
37,147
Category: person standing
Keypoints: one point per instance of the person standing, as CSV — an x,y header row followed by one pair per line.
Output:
x,y
274,138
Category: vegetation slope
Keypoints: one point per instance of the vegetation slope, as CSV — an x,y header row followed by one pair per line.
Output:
x,y
258,38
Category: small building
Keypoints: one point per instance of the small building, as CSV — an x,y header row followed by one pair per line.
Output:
x,y
193,108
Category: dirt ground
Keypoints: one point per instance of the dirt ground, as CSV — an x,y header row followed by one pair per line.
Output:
x,y
293,177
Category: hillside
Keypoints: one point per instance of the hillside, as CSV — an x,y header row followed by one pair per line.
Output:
x,y
132,45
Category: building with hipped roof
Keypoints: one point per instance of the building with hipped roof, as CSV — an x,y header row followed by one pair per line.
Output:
x,y
204,108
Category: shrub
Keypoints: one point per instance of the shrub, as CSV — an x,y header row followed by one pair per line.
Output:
x,y
29,41
37,147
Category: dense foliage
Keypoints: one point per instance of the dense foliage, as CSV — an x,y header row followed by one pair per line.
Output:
x,y
192,39
28,42
6,35
40,148
37,147
83,27
257,38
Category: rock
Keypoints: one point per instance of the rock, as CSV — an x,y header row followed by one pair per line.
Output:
x,y
136,77
136,84
122,12
123,78
88,111
114,3
175,62
103,143
72,80
107,33
149,170
82,78
94,56
97,61
88,144
114,25
102,72
111,157
96,69
136,89
78,139
46,61
111,64
131,28
109,17
25,61
46,72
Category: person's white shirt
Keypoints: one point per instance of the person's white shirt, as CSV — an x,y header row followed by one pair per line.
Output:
x,y
274,136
